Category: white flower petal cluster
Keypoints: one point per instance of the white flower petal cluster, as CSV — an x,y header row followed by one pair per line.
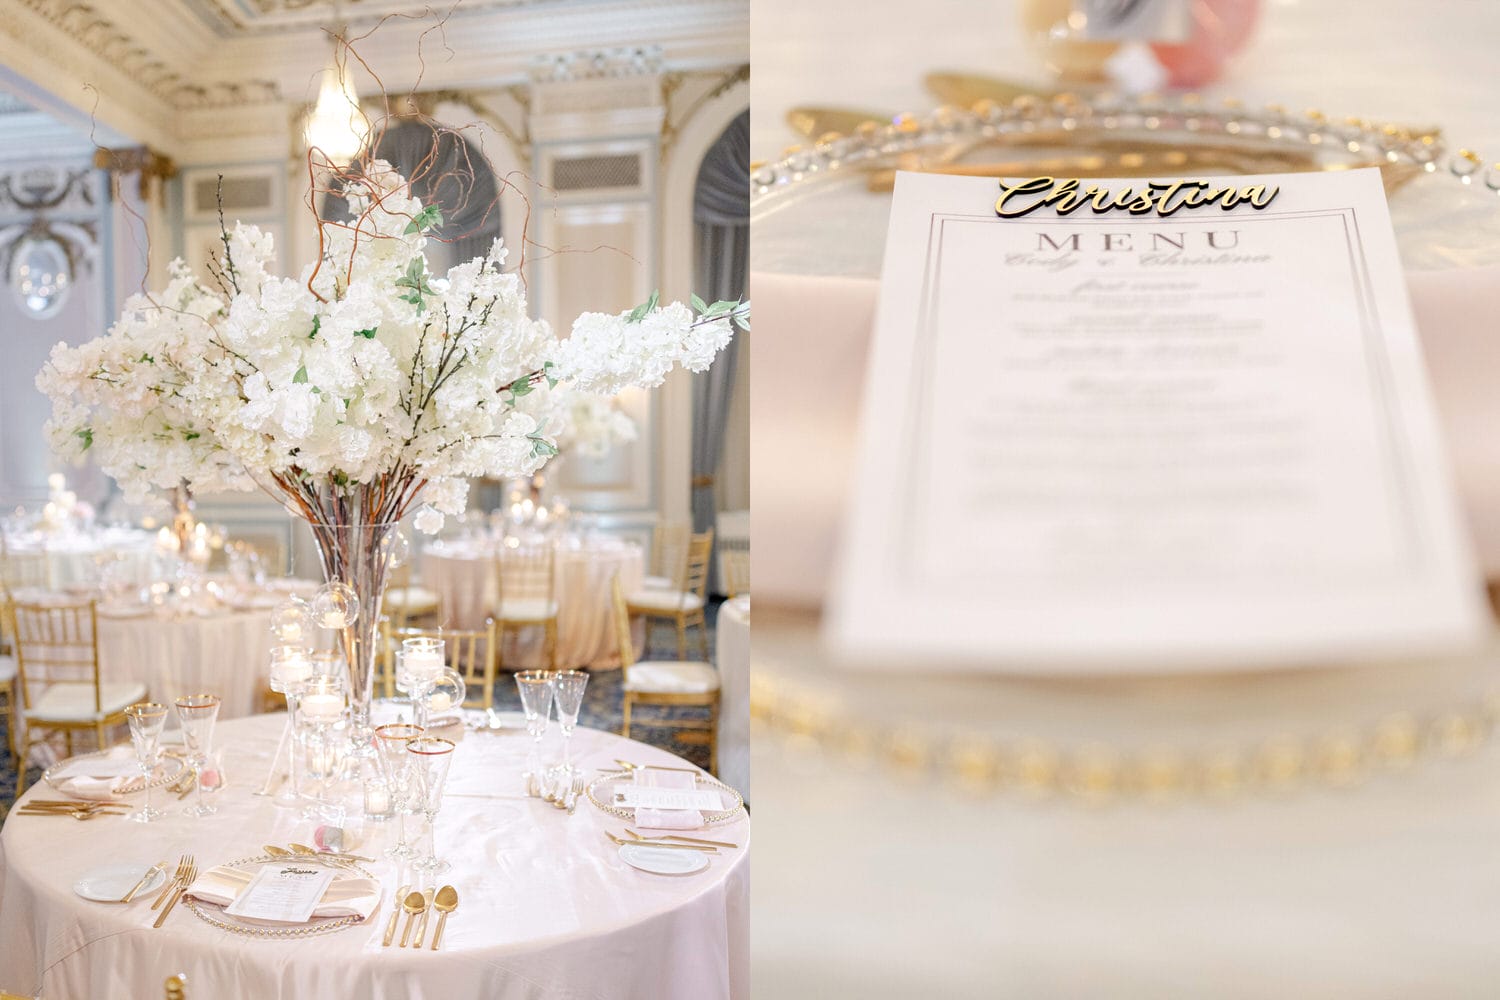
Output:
x,y
587,424
365,369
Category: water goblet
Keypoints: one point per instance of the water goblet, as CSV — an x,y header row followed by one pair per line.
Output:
x,y
535,687
197,714
568,688
430,758
395,765
146,721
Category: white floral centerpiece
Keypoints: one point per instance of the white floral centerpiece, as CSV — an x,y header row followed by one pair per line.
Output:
x,y
355,393
589,424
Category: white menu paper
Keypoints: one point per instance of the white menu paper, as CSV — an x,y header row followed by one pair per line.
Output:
x,y
646,797
282,894
1101,441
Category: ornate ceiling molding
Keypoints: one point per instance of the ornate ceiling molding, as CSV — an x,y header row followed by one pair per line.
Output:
x,y
599,64
92,28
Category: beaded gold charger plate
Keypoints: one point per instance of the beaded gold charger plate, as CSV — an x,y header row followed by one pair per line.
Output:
x,y
601,793
168,769
1160,738
214,915
822,209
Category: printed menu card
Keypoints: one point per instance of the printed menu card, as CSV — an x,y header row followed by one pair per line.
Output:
x,y
1148,425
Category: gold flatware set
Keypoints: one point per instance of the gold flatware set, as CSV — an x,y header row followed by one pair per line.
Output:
x,y
419,907
79,809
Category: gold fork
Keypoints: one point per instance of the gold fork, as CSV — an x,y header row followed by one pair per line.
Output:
x,y
166,890
182,885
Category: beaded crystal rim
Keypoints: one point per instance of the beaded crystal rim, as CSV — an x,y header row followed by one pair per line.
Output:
x,y
815,725
210,913
710,817
164,774
874,141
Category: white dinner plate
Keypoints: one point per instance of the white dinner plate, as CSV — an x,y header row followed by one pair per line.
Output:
x,y
661,860
111,882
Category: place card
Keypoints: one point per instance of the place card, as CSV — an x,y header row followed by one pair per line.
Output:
x,y
284,894
1127,425
647,797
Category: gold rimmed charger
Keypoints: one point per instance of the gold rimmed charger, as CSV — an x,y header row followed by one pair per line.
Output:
x,y
214,915
169,769
711,817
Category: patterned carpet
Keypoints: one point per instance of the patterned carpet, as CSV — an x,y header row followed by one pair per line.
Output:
x,y
601,710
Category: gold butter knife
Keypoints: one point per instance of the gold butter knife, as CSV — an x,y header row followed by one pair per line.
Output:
x,y
150,873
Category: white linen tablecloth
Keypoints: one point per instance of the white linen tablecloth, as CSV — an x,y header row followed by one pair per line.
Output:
x,y
463,576
733,660
74,560
226,653
547,908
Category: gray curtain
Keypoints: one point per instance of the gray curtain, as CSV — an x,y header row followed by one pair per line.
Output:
x,y
721,224
456,178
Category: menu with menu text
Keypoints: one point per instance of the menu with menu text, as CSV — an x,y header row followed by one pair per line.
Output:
x,y
1125,424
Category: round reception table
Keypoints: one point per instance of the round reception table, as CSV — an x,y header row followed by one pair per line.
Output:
x,y
462,574
546,906
75,559
732,647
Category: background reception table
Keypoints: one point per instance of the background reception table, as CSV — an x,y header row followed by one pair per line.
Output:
x,y
733,656
226,653
463,576
547,909
74,559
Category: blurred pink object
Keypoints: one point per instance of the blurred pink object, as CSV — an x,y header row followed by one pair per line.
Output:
x,y
1220,29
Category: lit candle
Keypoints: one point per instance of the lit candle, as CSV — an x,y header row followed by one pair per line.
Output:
x,y
333,619
293,670
421,665
166,541
291,632
440,701
322,707
377,800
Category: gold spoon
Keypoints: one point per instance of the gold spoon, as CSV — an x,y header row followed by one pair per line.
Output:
x,y
277,852
413,904
445,903
390,928
424,918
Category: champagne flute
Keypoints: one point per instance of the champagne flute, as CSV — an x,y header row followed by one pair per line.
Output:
x,y
197,713
146,719
430,758
535,687
568,688
395,764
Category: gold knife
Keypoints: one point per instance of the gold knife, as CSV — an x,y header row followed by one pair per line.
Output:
x,y
150,873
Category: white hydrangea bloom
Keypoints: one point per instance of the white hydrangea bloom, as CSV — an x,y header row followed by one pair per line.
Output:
x,y
367,369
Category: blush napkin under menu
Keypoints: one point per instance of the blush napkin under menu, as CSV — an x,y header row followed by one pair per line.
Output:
x,y
1123,424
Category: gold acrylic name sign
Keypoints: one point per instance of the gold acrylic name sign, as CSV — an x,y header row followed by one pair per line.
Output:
x,y
1161,197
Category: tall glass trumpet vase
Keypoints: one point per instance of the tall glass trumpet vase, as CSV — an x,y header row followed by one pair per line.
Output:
x,y
430,759
356,556
146,721
197,714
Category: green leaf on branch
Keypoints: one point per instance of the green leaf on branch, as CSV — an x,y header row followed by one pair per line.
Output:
x,y
415,281
643,310
191,435
317,322
86,435
301,376
367,334
430,217
521,387
147,359
547,374
698,304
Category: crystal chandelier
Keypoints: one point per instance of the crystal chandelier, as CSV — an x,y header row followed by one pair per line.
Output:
x,y
336,127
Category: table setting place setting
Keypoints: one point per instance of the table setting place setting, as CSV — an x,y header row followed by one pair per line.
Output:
x,y
354,794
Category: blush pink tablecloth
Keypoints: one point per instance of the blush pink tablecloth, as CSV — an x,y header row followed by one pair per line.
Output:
x,y
547,908
463,576
813,332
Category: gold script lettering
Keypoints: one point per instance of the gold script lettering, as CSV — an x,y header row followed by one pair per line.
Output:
x,y
1164,198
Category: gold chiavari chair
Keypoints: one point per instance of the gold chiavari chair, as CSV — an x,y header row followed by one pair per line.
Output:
x,y
57,652
528,592
736,564
682,606
406,602
667,683
669,545
474,653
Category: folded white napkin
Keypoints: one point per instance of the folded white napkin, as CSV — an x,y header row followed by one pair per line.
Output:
x,y
666,819
344,897
98,778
